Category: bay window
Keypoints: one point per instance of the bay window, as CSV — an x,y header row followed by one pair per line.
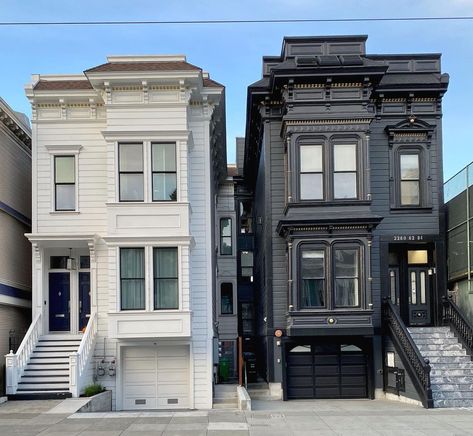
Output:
x,y
132,278
329,275
166,289
130,167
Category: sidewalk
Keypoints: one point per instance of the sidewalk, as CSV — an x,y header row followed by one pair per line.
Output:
x,y
274,418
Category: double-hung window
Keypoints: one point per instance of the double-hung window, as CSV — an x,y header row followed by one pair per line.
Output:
x,y
226,298
64,183
329,276
328,171
225,236
311,172
409,179
164,172
130,167
344,171
132,279
166,288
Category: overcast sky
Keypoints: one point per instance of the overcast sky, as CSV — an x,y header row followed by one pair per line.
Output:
x,y
232,53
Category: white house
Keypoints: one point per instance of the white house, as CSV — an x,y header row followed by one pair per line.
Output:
x,y
126,158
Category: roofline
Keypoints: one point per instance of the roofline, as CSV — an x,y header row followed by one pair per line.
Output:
x,y
12,114
404,55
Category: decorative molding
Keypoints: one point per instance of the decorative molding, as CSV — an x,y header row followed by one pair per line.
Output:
x,y
63,148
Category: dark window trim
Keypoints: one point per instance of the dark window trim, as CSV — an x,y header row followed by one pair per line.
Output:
x,y
130,278
162,172
333,143
327,142
323,172
157,279
330,247
221,253
130,172
232,297
409,151
56,184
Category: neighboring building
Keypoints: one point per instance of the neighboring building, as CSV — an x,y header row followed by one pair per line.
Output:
x,y
15,221
344,156
126,160
459,205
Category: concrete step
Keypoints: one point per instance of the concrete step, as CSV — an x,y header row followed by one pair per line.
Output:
x,y
39,386
435,341
452,360
452,379
61,337
428,329
443,353
51,353
452,395
43,366
27,378
440,347
51,359
225,406
225,400
453,403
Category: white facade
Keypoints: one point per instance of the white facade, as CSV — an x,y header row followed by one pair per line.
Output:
x,y
144,101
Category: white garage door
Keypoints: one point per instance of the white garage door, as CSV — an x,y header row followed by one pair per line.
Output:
x,y
156,377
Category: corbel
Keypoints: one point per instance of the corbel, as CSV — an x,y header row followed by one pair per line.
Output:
x,y
108,92
93,108
144,84
63,108
328,88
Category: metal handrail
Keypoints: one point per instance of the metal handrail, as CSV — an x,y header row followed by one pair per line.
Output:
x,y
417,367
453,316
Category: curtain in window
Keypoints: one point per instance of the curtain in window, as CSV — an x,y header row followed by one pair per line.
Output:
x,y
166,293
132,278
312,293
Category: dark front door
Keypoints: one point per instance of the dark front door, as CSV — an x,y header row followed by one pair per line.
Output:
x,y
419,296
84,299
326,371
59,301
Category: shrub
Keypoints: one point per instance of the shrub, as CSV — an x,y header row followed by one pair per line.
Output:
x,y
92,390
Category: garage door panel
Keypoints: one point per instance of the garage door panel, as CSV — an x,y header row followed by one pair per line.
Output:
x,y
299,371
156,377
326,372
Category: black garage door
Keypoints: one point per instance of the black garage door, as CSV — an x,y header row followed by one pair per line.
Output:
x,y
326,371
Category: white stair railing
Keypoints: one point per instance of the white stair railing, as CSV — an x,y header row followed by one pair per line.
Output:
x,y
78,361
16,362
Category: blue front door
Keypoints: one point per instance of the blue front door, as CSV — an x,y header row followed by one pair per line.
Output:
x,y
84,299
59,301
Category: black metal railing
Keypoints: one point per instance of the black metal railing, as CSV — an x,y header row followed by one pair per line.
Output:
x,y
453,317
417,367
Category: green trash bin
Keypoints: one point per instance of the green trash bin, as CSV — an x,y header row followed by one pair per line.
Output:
x,y
224,369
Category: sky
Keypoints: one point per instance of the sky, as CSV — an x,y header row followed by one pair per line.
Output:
x,y
232,53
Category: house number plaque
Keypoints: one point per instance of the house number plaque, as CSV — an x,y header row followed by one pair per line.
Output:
x,y
408,238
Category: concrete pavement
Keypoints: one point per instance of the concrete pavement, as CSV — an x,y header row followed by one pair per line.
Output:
x,y
274,418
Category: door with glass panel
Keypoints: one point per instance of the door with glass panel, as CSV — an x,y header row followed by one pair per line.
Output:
x,y
419,296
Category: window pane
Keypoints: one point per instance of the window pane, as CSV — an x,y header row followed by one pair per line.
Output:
x,y
164,187
413,288
422,287
344,185
226,245
166,294
165,262
164,157
409,193
312,187
344,157
65,172
409,166
131,187
346,292
417,257
166,288
58,262
312,265
247,258
132,264
84,262
226,298
311,158
65,197
131,157
346,263
226,227
313,293
132,283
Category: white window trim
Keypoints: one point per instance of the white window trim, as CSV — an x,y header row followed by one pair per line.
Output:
x,y
149,278
147,169
63,150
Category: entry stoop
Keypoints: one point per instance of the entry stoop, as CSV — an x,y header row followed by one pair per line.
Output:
x,y
225,397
